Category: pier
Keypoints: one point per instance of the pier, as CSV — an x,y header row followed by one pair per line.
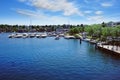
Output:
x,y
109,48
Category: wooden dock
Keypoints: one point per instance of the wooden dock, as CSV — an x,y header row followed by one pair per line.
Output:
x,y
109,48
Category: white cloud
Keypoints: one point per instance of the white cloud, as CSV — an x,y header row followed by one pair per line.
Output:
x,y
95,18
99,12
106,4
68,8
41,18
30,13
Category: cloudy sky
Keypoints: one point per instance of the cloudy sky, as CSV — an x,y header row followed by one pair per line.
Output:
x,y
42,12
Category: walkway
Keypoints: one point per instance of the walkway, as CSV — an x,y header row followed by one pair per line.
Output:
x,y
111,48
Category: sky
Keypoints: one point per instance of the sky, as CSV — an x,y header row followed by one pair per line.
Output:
x,y
54,12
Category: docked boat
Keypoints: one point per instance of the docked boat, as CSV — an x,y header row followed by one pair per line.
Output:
x,y
11,36
18,35
61,35
44,35
57,37
69,37
38,36
25,35
54,34
87,40
31,35
93,41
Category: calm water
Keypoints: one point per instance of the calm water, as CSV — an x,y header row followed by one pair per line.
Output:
x,y
49,59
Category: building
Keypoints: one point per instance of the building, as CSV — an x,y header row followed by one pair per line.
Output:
x,y
113,24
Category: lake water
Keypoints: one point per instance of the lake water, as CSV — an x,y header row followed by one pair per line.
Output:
x,y
50,59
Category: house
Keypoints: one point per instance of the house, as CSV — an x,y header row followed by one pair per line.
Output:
x,y
113,24
63,29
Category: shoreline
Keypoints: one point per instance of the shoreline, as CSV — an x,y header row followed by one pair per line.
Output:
x,y
106,48
109,48
100,46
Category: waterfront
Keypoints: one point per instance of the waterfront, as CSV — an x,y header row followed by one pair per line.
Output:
x,y
50,59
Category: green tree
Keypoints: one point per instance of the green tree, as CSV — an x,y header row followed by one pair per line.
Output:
x,y
74,31
103,24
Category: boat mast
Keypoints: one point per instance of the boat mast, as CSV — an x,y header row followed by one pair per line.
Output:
x,y
30,25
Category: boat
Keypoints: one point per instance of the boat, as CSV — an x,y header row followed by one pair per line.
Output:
x,y
11,36
18,35
44,35
38,36
57,37
93,41
31,35
61,35
66,37
69,37
54,34
25,35
87,40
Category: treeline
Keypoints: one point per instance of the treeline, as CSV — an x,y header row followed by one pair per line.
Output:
x,y
102,33
24,28
32,28
97,31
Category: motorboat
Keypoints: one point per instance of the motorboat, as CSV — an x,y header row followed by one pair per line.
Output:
x,y
69,37
57,37
44,35
38,35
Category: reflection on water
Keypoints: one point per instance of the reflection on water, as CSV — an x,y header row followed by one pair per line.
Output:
x,y
50,59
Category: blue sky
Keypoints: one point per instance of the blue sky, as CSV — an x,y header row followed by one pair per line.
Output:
x,y
42,12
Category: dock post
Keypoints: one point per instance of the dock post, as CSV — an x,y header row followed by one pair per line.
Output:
x,y
96,45
80,41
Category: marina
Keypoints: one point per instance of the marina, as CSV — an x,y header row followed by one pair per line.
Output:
x,y
59,40
39,35
48,59
110,48
28,35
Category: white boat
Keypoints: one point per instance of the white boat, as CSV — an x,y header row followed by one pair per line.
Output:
x,y
54,34
18,36
38,35
25,35
57,37
44,35
61,35
66,37
69,37
93,41
11,36
31,35
87,40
